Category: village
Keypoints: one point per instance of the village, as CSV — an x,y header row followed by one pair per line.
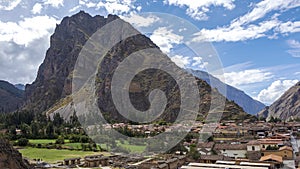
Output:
x,y
258,145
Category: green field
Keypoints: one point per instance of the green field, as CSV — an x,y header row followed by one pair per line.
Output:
x,y
54,155
132,148
44,141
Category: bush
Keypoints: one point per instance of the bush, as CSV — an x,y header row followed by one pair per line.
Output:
x,y
23,142
60,140
84,139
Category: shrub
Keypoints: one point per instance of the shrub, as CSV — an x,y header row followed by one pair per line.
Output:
x,y
60,140
23,142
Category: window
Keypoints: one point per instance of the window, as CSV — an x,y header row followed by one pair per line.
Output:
x,y
263,146
253,148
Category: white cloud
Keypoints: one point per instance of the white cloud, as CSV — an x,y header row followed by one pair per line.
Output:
x,y
9,5
197,9
75,8
289,27
27,30
54,3
275,90
294,52
295,45
243,28
19,64
245,77
37,8
181,61
165,39
264,7
140,21
117,7
198,62
236,33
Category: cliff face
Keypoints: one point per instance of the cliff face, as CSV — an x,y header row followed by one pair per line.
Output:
x,y
54,79
286,107
249,105
10,158
52,86
11,98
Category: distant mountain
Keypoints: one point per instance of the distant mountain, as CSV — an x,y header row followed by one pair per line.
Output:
x,y
50,91
20,86
11,98
286,107
249,105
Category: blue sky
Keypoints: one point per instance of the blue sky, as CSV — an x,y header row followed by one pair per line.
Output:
x,y
257,42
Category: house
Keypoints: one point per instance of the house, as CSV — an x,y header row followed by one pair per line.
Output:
x,y
270,142
284,137
253,145
275,159
96,161
232,150
211,159
205,148
285,152
257,131
72,161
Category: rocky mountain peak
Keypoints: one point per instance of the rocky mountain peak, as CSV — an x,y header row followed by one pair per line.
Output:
x,y
49,92
54,77
286,107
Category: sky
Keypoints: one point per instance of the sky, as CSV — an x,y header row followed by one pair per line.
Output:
x,y
257,41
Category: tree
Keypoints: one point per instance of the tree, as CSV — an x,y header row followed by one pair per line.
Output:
x,y
74,120
23,142
60,140
50,130
194,153
57,120
25,129
35,127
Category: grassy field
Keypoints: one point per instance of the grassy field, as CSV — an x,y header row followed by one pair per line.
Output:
x,y
54,155
44,141
132,148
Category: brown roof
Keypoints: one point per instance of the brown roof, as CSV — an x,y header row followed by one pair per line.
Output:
x,y
204,150
286,148
253,142
231,146
205,145
271,157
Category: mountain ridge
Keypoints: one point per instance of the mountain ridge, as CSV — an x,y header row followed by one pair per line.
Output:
x,y
249,104
286,107
11,98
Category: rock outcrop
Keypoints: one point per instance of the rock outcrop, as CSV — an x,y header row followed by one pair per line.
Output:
x,y
10,158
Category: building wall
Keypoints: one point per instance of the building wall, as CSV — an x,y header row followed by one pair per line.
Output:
x,y
256,147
